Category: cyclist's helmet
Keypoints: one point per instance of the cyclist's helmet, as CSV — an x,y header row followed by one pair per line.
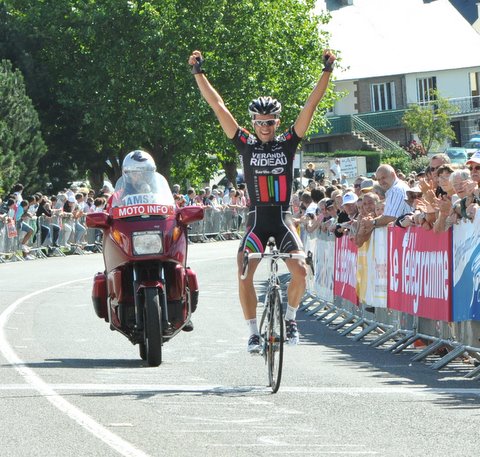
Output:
x,y
265,105
140,164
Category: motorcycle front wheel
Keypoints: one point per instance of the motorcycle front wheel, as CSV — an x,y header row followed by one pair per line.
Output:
x,y
151,349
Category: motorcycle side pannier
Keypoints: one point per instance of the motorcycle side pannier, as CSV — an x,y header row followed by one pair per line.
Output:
x,y
192,287
174,276
99,295
175,279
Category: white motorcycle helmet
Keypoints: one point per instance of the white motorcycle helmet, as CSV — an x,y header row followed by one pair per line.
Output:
x,y
138,168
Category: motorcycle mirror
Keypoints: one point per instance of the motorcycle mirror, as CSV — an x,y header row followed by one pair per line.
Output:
x,y
98,220
189,214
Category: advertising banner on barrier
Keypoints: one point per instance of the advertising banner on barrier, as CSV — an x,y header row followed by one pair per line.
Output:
x,y
372,270
466,270
345,285
324,267
363,288
419,272
310,245
377,269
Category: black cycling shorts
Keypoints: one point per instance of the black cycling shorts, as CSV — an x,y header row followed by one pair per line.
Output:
x,y
266,221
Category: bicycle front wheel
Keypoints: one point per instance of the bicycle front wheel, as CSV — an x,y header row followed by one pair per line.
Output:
x,y
274,341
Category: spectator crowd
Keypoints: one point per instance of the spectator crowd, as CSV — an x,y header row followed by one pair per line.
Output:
x,y
57,221
50,221
435,199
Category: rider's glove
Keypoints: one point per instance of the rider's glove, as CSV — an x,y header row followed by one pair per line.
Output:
x,y
327,66
197,68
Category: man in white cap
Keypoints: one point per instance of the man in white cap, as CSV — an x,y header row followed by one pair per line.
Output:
x,y
367,185
473,164
348,213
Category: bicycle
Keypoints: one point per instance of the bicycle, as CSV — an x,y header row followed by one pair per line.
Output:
x,y
272,323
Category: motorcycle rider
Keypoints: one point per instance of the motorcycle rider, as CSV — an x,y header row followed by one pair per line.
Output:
x,y
139,176
138,168
268,170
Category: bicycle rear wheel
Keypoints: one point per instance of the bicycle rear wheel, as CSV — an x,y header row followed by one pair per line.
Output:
x,y
274,340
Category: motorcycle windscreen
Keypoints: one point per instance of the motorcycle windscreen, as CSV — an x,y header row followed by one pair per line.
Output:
x,y
144,193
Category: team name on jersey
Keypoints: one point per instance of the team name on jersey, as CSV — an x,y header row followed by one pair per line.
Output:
x,y
267,159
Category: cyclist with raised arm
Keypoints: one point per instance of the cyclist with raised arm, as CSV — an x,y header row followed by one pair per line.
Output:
x,y
268,171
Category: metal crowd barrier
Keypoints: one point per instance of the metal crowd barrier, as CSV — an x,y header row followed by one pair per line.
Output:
x,y
9,246
219,224
58,235
386,328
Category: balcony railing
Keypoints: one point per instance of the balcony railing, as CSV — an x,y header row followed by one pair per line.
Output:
x,y
462,106
382,120
392,119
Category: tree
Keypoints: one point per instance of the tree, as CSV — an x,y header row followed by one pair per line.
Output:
x,y
111,76
21,143
431,122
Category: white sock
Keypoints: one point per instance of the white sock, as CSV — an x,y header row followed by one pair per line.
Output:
x,y
291,313
252,326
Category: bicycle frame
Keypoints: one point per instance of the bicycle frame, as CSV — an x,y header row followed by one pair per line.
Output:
x,y
272,324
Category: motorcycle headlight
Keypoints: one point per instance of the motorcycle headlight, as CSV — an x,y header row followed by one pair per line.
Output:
x,y
147,243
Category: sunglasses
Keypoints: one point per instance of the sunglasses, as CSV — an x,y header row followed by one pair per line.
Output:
x,y
266,123
434,168
476,168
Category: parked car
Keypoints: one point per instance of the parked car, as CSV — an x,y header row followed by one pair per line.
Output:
x,y
457,155
472,146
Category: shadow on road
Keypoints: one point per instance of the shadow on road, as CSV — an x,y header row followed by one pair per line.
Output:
x,y
390,369
85,363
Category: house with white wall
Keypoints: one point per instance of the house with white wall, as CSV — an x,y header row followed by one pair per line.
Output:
x,y
391,54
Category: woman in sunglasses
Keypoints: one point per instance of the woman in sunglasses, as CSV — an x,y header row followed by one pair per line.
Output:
x,y
268,170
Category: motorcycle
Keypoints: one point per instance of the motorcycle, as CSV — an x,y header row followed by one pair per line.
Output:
x,y
147,292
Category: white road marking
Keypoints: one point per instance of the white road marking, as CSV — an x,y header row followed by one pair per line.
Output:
x,y
318,447
225,354
218,389
113,441
271,441
198,419
284,452
209,259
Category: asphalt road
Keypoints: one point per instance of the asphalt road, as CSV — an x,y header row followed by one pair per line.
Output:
x,y
70,386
